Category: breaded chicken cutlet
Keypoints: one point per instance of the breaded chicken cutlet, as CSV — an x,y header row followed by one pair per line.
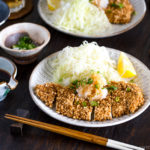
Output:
x,y
122,99
119,11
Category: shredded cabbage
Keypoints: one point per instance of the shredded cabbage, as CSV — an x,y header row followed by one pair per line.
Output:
x,y
80,16
76,63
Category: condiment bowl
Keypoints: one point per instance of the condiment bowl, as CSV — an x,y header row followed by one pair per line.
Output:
x,y
10,68
10,36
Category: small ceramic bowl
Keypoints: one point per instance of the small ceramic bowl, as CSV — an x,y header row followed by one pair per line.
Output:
x,y
11,34
9,68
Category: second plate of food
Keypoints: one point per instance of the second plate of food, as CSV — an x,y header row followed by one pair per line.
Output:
x,y
92,18
91,86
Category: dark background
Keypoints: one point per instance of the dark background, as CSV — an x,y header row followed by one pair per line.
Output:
x,y
137,131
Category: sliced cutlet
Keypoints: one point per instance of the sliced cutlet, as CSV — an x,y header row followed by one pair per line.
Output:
x,y
82,109
102,112
46,93
64,101
135,98
118,99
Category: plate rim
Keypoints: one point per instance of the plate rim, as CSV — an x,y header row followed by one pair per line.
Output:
x,y
88,36
80,124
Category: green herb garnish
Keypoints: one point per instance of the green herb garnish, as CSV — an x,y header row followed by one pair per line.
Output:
x,y
98,72
113,88
90,81
77,103
134,13
117,99
84,104
128,89
97,86
120,5
94,103
131,81
24,43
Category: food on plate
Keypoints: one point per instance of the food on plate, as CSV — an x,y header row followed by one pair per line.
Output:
x,y
86,85
53,4
24,43
80,16
92,17
119,11
125,67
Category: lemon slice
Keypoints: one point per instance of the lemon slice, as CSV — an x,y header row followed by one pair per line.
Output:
x,y
53,4
125,67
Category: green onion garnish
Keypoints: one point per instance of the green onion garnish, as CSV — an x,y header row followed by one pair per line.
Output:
x,y
94,103
84,104
97,86
117,99
112,88
128,89
90,81
120,5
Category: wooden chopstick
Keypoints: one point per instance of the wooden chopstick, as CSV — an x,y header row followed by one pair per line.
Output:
x,y
74,133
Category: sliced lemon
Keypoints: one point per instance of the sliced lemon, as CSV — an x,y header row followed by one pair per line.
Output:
x,y
53,4
125,67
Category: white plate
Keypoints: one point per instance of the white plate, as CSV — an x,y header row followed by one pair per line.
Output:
x,y
139,6
43,73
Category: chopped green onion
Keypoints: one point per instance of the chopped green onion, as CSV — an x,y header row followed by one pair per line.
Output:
x,y
128,89
75,82
134,13
112,88
94,103
97,86
117,99
77,103
131,81
98,71
120,5
84,104
90,81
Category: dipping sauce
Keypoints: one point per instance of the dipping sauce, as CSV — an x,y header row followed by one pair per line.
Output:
x,y
4,76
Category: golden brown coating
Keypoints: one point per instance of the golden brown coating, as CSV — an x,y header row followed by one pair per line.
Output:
x,y
103,110
82,109
46,93
127,98
123,98
64,101
119,11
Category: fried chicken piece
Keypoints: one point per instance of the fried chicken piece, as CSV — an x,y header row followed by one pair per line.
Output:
x,y
64,101
46,93
103,110
82,109
127,98
119,11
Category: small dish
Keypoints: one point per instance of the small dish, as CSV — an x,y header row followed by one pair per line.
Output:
x,y
10,35
7,67
139,6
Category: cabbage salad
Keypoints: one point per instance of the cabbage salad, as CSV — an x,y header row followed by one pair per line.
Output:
x,y
80,16
77,63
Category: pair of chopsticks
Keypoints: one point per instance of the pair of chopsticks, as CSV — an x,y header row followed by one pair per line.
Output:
x,y
74,134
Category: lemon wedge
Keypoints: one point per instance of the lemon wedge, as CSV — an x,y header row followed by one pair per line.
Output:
x,y
125,67
53,4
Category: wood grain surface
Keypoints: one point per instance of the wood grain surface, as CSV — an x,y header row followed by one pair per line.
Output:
x,y
137,132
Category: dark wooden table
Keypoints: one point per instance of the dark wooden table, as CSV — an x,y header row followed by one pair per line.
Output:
x,y
137,131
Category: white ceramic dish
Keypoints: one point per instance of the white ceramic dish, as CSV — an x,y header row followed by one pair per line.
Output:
x,y
43,73
139,6
37,33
